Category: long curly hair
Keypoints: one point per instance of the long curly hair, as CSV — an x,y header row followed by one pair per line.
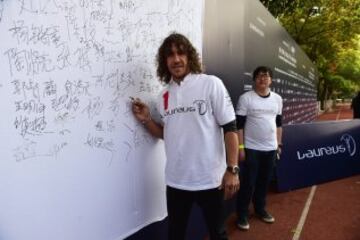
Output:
x,y
180,42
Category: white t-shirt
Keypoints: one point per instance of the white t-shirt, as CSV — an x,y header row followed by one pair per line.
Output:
x,y
192,114
260,125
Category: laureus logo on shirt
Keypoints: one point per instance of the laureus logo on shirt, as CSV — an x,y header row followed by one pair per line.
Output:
x,y
347,144
198,105
201,106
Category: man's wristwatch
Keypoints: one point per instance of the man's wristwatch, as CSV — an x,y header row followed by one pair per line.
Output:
x,y
233,169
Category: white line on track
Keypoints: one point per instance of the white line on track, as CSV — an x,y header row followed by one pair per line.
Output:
x,y
338,115
304,214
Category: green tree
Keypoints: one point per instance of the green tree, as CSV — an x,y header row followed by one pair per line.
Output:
x,y
328,31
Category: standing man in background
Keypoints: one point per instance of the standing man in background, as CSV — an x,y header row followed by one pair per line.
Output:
x,y
198,126
259,118
355,106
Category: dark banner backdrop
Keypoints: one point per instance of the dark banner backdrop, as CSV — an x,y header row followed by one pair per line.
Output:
x,y
241,35
224,41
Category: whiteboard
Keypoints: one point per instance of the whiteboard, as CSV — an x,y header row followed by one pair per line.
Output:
x,y
75,164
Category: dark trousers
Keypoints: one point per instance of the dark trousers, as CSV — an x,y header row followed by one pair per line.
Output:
x,y
255,178
179,204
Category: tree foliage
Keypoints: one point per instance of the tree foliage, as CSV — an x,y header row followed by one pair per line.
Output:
x,y
328,31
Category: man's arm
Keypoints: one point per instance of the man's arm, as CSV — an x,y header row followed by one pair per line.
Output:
x,y
231,146
223,111
279,133
240,126
154,128
230,182
240,135
142,114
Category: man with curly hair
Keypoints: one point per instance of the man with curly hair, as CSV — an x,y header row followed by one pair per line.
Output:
x,y
199,130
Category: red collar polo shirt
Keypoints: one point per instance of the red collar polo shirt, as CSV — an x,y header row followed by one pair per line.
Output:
x,y
192,114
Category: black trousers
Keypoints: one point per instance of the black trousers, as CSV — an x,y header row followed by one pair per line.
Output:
x,y
179,204
255,180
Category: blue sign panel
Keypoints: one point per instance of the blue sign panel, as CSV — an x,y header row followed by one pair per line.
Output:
x,y
318,152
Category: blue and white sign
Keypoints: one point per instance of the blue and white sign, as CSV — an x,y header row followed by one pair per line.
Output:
x,y
318,152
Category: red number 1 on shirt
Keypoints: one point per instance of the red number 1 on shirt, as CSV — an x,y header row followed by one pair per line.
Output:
x,y
166,100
